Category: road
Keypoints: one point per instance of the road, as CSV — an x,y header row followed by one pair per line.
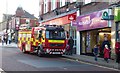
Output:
x,y
14,60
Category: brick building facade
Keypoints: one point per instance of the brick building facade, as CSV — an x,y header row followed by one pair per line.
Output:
x,y
82,9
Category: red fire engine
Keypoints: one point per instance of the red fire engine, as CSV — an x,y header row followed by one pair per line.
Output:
x,y
48,39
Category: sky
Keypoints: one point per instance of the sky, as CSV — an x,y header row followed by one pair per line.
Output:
x,y
10,6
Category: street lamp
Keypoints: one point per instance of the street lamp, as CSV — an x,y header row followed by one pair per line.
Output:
x,y
7,27
17,24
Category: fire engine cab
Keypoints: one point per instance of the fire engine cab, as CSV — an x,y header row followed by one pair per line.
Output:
x,y
49,39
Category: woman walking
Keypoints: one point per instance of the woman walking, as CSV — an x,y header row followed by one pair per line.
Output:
x,y
106,53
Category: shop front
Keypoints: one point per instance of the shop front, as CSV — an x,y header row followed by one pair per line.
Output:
x,y
92,30
117,22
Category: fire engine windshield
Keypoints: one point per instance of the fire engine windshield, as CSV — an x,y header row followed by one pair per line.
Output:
x,y
55,34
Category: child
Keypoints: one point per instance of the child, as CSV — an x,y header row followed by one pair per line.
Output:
x,y
95,52
106,53
68,50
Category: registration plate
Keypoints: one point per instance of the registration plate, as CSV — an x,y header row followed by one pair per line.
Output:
x,y
56,52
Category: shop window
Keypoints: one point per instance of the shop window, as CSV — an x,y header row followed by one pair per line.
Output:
x,y
27,21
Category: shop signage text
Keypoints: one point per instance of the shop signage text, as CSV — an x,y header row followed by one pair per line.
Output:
x,y
58,21
90,21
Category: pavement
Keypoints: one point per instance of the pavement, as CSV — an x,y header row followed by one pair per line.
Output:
x,y
90,60
83,58
8,45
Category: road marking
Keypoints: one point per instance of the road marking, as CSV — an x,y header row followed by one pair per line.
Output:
x,y
91,64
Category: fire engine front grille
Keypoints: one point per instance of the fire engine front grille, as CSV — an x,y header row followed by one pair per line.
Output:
x,y
56,45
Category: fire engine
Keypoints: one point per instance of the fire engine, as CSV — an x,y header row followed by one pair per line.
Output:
x,y
49,39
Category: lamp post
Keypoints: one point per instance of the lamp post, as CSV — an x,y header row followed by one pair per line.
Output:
x,y
17,24
7,27
6,20
71,17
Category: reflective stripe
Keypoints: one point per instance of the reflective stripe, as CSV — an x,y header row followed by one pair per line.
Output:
x,y
27,39
20,42
36,40
56,41
22,39
18,39
31,39
34,43
28,42
25,32
43,40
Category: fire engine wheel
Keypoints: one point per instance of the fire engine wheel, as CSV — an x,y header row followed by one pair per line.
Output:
x,y
39,53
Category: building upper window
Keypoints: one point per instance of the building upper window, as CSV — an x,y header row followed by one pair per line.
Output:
x,y
53,4
18,21
40,9
27,21
62,3
71,1
87,1
45,6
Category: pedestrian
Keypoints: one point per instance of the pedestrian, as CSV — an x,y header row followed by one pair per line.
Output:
x,y
117,50
106,53
105,42
71,43
67,50
2,38
9,38
95,52
6,39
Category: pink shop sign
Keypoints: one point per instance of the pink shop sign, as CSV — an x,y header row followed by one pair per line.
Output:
x,y
90,21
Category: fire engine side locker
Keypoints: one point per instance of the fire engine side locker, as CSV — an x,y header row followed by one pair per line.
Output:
x,y
28,42
24,41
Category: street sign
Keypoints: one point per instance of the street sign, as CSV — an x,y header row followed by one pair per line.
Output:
x,y
72,17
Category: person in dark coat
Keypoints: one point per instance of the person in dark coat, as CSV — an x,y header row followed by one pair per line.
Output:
x,y
106,53
6,39
105,42
71,43
117,50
